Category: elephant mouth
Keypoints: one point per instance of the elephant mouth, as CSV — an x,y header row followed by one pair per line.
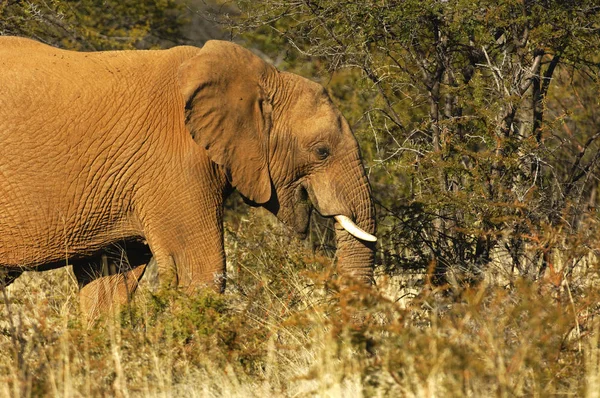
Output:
x,y
294,211
297,214
301,212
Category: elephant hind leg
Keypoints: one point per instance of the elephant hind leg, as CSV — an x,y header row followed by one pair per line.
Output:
x,y
107,293
110,281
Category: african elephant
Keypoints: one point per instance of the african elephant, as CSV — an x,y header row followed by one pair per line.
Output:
x,y
102,147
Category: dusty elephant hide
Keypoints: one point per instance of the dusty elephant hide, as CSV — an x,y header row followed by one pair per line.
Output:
x,y
100,148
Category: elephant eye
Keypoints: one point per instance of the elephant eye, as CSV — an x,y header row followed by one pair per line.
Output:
x,y
322,152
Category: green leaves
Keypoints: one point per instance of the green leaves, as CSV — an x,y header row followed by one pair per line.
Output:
x,y
458,107
94,25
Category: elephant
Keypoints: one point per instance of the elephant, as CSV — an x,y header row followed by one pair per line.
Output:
x,y
144,146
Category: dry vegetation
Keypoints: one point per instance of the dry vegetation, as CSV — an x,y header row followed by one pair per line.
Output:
x,y
283,328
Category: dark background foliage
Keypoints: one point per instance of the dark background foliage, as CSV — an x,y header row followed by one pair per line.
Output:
x,y
477,120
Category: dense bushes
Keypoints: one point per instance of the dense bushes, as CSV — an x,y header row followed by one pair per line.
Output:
x,y
478,120
95,25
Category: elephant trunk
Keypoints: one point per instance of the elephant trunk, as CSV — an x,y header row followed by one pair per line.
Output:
x,y
356,251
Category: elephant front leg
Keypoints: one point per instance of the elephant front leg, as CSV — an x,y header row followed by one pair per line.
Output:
x,y
185,232
194,266
190,260
110,282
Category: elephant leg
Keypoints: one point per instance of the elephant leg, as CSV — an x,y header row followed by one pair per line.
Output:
x,y
196,259
110,282
8,277
208,272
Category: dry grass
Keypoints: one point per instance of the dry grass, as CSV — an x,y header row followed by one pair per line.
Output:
x,y
283,328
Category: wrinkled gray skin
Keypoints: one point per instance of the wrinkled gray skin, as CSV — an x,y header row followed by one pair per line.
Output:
x,y
101,148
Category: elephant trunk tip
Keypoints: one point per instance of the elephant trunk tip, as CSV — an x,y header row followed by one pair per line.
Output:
x,y
354,229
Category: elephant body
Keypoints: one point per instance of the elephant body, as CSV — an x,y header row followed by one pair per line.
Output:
x,y
82,171
96,148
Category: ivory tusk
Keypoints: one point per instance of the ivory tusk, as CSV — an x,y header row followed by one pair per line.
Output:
x,y
353,229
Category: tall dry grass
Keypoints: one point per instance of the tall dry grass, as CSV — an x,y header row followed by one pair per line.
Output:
x,y
284,328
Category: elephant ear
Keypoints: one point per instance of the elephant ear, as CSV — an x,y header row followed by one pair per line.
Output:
x,y
229,113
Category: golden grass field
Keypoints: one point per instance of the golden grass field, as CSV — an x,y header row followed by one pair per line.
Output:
x,y
284,329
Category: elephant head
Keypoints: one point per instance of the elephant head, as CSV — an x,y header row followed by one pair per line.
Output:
x,y
282,144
